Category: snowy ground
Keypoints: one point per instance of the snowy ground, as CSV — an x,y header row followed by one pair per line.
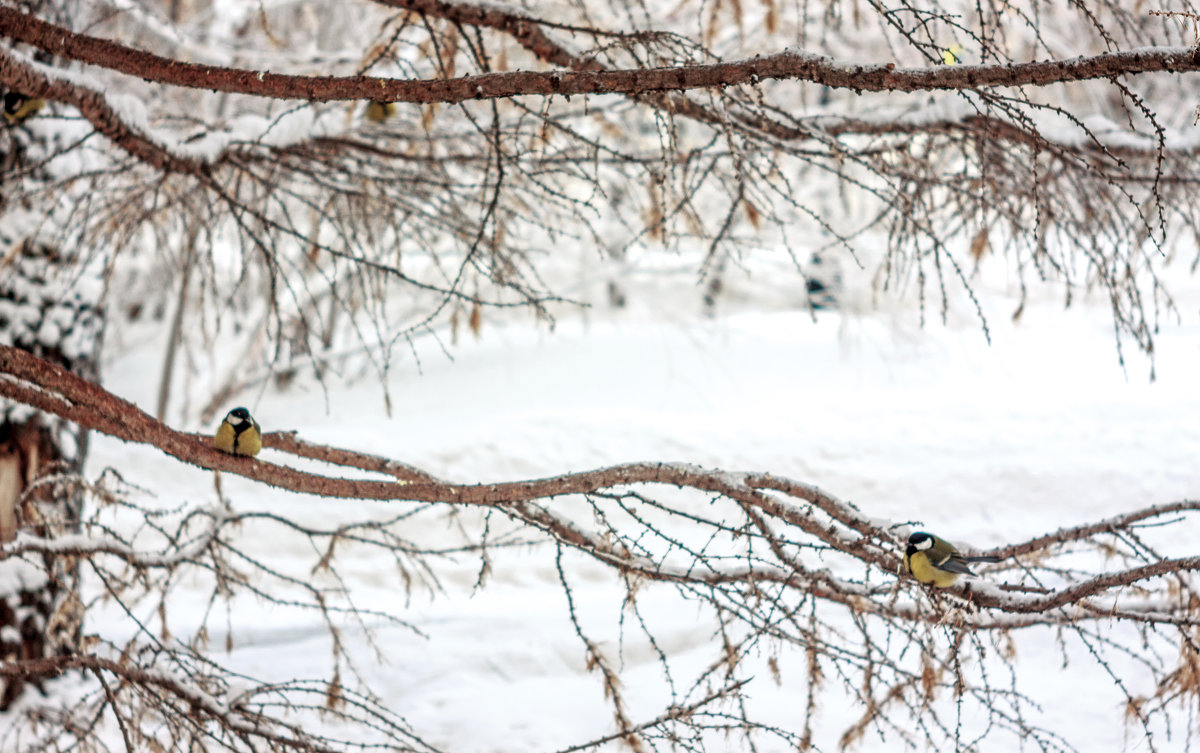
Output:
x,y
983,443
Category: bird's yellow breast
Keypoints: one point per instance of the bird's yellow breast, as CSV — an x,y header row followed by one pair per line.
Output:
x,y
25,110
225,437
923,570
249,442
380,111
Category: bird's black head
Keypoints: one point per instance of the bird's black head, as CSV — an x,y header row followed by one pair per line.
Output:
x,y
919,542
13,102
238,416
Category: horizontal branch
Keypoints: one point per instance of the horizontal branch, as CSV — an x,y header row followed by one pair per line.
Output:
x,y
53,389
83,545
1108,525
840,526
1080,591
653,87
790,64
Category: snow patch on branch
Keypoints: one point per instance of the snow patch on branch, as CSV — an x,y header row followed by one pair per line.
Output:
x,y
87,544
17,575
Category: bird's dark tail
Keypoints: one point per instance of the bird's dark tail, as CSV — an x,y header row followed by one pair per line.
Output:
x,y
983,559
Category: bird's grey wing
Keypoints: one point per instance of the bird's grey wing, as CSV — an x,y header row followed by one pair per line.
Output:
x,y
955,563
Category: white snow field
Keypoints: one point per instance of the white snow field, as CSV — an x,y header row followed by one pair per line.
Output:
x,y
982,443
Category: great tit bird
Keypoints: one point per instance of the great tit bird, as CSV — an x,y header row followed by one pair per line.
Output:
x,y
238,434
18,107
377,112
933,560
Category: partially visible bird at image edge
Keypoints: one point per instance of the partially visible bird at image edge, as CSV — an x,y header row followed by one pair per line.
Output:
x,y
238,434
18,107
934,560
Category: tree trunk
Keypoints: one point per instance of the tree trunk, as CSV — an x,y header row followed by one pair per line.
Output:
x,y
50,309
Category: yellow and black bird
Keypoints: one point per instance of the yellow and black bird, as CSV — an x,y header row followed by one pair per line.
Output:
x,y
18,107
238,434
930,559
377,112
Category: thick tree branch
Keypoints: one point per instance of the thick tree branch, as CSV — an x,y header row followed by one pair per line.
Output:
x,y
55,40
55,390
31,80
766,500
771,567
528,32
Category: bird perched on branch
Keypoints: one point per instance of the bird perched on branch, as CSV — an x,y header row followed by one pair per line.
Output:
x,y
377,112
930,559
238,434
18,107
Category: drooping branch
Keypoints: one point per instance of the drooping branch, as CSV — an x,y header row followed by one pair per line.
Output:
x,y
200,701
527,30
34,81
773,564
798,65
1029,192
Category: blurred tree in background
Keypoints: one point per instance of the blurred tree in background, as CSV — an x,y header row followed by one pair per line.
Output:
x,y
307,186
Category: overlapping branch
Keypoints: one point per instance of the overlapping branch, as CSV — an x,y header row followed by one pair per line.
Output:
x,y
771,564
834,524
1039,184
770,559
178,698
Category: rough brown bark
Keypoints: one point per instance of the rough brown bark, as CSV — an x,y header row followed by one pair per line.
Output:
x,y
55,40
807,508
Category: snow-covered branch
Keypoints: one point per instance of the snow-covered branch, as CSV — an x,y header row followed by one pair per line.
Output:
x,y
328,236
787,65
792,512
197,703
767,560
24,76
